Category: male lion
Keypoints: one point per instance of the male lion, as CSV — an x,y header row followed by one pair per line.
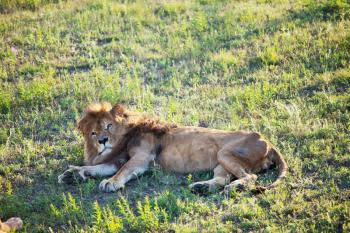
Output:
x,y
114,134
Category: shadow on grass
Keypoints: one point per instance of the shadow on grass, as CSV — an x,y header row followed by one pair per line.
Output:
x,y
74,68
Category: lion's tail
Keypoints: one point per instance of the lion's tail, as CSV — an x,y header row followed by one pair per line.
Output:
x,y
278,159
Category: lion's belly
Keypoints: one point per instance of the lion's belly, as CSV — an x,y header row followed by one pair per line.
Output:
x,y
185,153
175,160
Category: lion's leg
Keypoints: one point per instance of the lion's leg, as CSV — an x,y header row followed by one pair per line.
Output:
x,y
137,165
83,172
234,164
221,178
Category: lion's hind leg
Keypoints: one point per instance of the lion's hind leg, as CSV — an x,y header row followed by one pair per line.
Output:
x,y
220,179
237,167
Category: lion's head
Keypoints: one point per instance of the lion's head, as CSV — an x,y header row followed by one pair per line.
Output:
x,y
103,127
107,130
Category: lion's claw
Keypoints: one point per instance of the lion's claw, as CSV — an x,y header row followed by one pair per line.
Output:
x,y
73,174
109,185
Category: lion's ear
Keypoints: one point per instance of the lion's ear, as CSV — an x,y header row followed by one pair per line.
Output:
x,y
118,110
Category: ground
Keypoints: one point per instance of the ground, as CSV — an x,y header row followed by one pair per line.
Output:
x,y
280,67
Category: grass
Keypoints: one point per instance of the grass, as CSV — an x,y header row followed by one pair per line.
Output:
x,y
278,67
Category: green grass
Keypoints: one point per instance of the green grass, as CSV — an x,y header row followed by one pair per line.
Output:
x,y
278,67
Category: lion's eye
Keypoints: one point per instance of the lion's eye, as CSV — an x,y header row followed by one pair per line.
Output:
x,y
109,126
93,133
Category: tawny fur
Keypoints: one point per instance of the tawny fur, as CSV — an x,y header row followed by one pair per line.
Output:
x,y
138,140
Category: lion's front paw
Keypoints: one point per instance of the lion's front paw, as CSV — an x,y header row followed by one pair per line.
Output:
x,y
73,174
109,185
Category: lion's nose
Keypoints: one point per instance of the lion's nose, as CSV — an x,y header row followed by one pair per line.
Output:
x,y
103,140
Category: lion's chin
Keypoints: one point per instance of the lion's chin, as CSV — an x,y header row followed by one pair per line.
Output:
x,y
105,151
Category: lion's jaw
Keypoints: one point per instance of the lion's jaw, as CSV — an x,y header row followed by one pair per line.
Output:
x,y
104,149
114,140
96,152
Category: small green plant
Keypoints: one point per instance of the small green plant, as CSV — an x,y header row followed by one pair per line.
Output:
x,y
37,91
149,218
271,56
6,99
